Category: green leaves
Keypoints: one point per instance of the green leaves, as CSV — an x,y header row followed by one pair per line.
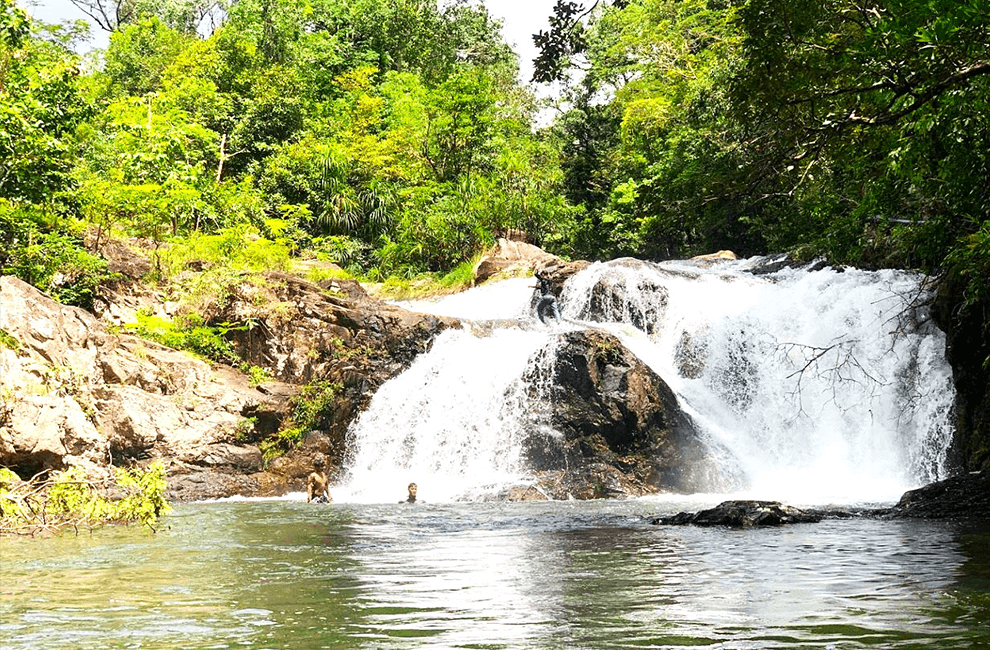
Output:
x,y
71,499
14,25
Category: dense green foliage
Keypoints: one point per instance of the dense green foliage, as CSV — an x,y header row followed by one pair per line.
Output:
x,y
393,137
71,499
857,130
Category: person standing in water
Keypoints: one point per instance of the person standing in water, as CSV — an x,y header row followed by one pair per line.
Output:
x,y
318,483
412,494
546,305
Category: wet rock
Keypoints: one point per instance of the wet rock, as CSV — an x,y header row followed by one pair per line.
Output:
x,y
773,263
959,497
967,347
194,484
615,428
691,354
335,332
743,514
638,298
292,469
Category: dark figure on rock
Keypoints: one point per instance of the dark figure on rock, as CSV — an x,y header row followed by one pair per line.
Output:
x,y
546,305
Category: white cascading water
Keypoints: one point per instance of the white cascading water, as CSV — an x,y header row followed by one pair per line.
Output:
x,y
809,387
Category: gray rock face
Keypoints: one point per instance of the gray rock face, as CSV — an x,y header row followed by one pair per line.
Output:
x,y
623,431
71,393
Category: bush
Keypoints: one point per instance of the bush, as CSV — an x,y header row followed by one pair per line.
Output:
x,y
192,336
309,410
73,499
55,263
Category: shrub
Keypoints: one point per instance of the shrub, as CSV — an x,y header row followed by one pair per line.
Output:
x,y
71,498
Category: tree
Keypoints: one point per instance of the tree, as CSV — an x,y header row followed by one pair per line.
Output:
x,y
182,15
41,103
882,103
139,54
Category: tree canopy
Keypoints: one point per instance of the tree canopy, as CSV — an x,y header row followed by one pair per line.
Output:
x,y
394,137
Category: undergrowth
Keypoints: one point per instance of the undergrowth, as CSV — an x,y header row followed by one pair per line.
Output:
x,y
309,410
70,499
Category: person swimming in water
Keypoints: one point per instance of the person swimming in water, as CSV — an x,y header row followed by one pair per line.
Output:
x,y
318,483
412,494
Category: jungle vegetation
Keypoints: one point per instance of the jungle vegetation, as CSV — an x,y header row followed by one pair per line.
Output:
x,y
394,138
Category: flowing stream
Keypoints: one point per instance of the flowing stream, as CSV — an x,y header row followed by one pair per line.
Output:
x,y
810,388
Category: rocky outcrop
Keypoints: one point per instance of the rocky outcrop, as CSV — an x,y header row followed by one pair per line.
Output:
x,y
743,514
967,347
719,256
959,497
72,393
334,331
510,257
616,426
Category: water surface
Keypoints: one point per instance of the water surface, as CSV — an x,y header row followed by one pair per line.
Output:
x,y
284,574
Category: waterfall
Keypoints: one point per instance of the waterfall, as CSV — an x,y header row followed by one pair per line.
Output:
x,y
811,387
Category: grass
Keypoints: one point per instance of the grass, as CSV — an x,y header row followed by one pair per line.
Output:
x,y
426,285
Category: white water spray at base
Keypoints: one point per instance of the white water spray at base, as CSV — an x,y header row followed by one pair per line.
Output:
x,y
451,423
810,387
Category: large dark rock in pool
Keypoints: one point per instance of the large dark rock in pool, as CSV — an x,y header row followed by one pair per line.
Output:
x,y
743,514
614,427
959,497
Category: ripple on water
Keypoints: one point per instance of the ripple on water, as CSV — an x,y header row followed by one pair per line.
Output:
x,y
588,574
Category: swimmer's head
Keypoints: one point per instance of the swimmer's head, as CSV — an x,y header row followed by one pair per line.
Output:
x,y
412,490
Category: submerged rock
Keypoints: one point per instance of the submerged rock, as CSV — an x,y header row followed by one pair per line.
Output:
x,y
743,514
615,427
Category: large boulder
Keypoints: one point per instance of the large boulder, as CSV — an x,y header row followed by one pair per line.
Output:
x,y
73,393
614,428
959,497
301,332
509,257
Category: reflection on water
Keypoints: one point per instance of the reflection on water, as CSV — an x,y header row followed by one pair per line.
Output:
x,y
275,574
